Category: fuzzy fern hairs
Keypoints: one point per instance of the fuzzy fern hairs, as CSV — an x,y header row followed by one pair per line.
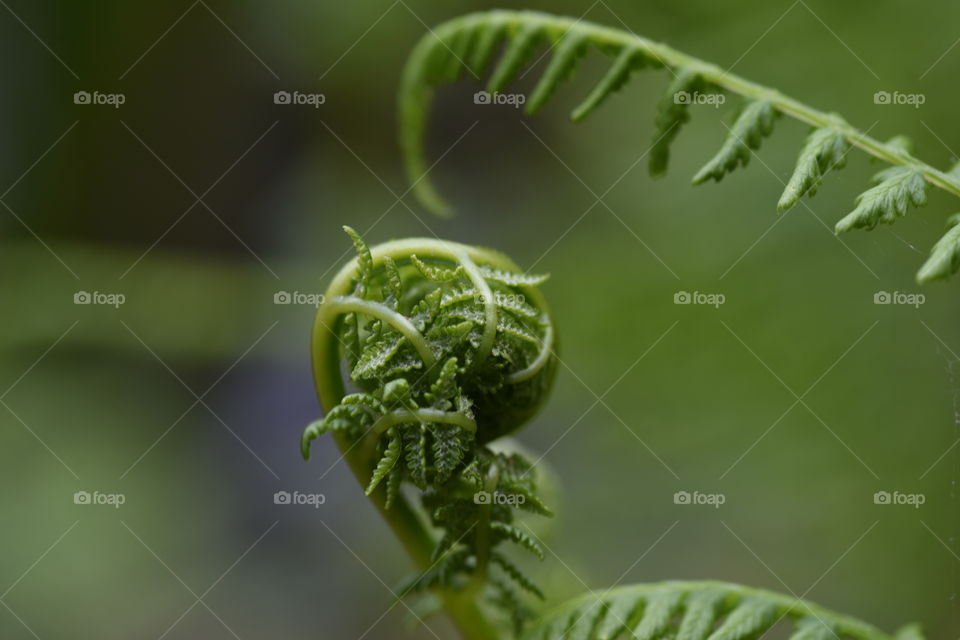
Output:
x,y
468,43
450,347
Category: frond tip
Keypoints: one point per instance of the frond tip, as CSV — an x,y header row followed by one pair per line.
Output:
x,y
696,611
944,258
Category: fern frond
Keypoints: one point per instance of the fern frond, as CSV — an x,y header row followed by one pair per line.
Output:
x,y
519,51
476,36
753,124
825,149
566,53
516,575
897,188
695,611
394,284
387,462
628,60
672,112
509,279
522,538
436,273
944,258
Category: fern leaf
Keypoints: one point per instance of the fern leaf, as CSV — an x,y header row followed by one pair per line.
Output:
x,y
752,125
459,49
672,113
944,258
522,538
813,629
512,279
375,356
444,388
626,62
516,575
702,609
394,283
490,34
448,451
436,273
659,611
364,261
620,613
506,325
393,486
897,188
565,55
519,51
389,460
825,149
696,608
748,621
910,632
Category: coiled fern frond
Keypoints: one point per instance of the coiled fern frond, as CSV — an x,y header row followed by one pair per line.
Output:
x,y
449,347
469,43
697,611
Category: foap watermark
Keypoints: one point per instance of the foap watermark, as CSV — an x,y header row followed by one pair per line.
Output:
x,y
698,498
298,498
510,499
698,297
298,297
97,98
97,498
896,97
503,299
515,100
899,297
699,97
99,297
911,499
299,98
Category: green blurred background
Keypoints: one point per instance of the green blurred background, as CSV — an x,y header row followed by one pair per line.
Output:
x,y
190,397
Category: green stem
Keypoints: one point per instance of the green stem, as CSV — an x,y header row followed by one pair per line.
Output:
x,y
403,519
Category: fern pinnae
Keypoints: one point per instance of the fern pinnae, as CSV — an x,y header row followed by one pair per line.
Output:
x,y
566,53
754,122
626,62
672,112
518,52
387,462
702,609
657,614
896,189
825,149
944,258
489,36
748,621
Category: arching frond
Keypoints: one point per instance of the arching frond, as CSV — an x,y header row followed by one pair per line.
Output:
x,y
471,41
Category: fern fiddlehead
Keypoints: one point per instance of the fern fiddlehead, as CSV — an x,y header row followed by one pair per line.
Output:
x,y
449,347
470,42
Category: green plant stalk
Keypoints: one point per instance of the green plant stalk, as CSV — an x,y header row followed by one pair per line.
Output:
x,y
717,76
403,519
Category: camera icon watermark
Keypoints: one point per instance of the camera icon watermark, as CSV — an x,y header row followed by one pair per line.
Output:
x,y
515,100
114,100
99,298
912,99
699,298
714,500
297,498
299,98
508,499
899,298
699,97
914,500
87,498
298,297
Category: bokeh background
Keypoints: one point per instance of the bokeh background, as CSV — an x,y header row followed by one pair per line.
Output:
x,y
199,199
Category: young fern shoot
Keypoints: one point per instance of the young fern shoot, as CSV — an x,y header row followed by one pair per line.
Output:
x,y
449,348
470,42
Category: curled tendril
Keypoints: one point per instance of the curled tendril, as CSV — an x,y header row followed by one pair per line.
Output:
x,y
448,347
